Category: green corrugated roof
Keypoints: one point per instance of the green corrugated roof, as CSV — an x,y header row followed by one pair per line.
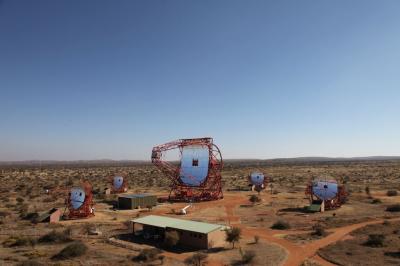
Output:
x,y
314,208
163,222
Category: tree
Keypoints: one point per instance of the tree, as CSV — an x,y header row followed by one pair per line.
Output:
x,y
253,199
368,191
197,259
171,238
233,235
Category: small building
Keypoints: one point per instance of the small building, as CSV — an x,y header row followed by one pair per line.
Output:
x,y
133,201
51,216
192,234
107,191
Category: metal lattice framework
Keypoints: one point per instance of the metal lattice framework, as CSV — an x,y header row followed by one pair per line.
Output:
x,y
86,209
123,188
210,187
332,203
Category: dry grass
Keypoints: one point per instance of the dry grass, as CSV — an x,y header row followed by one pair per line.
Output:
x,y
23,196
372,245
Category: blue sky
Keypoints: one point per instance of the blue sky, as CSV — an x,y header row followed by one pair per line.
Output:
x,y
265,79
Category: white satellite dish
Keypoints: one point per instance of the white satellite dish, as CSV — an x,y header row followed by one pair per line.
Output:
x,y
257,178
77,197
118,182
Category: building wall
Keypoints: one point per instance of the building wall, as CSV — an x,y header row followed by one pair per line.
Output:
x,y
192,239
55,216
139,202
187,238
216,239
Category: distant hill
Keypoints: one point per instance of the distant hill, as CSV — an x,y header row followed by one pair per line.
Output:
x,y
108,162
102,162
305,160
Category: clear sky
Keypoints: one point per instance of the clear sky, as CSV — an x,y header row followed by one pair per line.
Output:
x,y
265,79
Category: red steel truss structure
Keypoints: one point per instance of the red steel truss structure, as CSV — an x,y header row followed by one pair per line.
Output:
x,y
209,189
86,210
334,203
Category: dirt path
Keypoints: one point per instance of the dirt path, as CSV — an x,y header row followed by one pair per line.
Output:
x,y
299,253
296,253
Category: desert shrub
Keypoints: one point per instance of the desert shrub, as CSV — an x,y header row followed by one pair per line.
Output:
x,y
376,201
49,199
4,213
197,259
30,263
22,210
5,199
161,258
254,199
375,240
73,250
171,239
100,196
393,254
247,256
20,200
88,228
280,225
56,237
18,241
69,182
318,230
391,193
147,255
32,216
233,235
9,205
393,208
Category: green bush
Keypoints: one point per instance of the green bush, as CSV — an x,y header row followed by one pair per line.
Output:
x,y
280,225
73,250
375,240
